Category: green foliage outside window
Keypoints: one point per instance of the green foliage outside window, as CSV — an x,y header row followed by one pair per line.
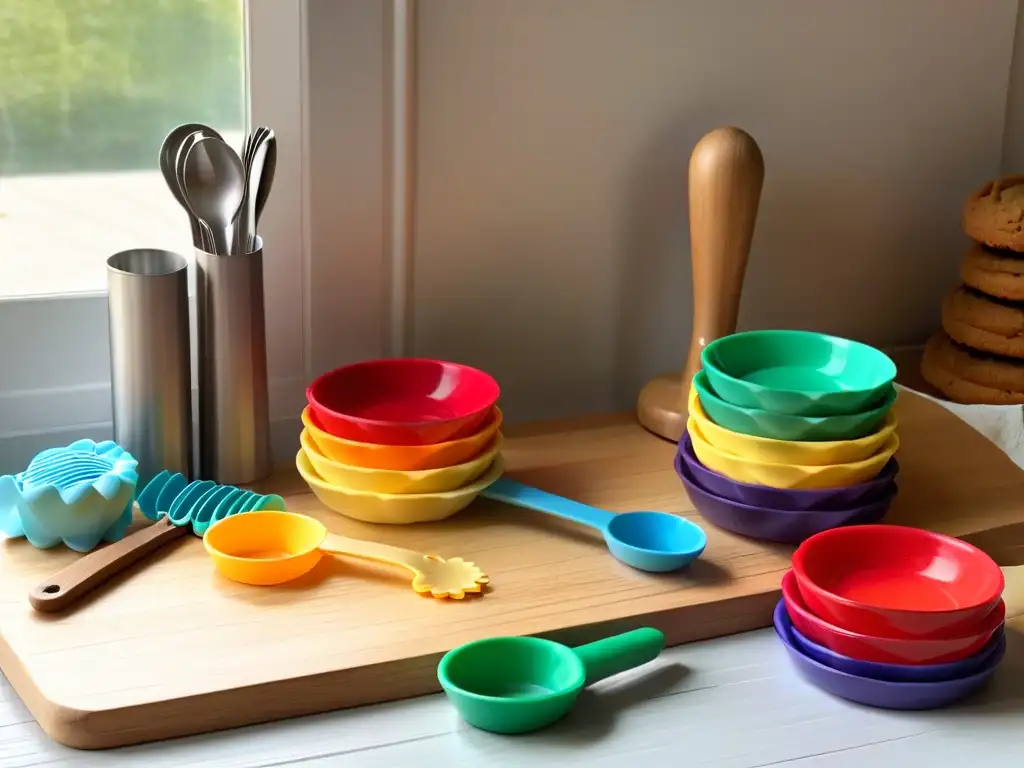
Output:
x,y
88,85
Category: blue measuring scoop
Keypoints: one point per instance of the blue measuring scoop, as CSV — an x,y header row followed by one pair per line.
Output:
x,y
648,541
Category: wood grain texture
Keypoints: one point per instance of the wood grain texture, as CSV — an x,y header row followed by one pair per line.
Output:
x,y
59,591
726,176
171,648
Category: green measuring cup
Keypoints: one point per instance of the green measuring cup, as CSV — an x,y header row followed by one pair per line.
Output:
x,y
522,684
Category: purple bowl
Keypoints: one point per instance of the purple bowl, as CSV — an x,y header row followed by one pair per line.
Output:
x,y
781,498
786,526
894,673
884,693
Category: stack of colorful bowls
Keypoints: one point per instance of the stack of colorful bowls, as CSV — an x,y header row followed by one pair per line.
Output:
x,y
892,617
790,433
401,440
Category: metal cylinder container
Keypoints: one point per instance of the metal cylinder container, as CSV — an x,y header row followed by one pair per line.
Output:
x,y
234,411
150,361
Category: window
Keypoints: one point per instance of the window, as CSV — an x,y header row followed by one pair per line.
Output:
x,y
88,89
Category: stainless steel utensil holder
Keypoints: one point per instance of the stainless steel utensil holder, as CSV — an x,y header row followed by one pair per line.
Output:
x,y
234,413
150,360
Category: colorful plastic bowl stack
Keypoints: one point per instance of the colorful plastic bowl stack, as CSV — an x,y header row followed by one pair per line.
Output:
x,y
401,440
790,433
892,617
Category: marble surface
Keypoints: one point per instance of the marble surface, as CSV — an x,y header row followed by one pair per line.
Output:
x,y
734,702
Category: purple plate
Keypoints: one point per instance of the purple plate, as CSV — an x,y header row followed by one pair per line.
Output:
x,y
787,526
781,498
895,673
884,693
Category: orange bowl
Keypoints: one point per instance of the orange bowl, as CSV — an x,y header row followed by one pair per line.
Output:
x,y
404,457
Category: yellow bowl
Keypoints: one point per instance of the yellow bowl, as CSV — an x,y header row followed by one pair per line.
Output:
x,y
394,508
812,454
403,457
399,480
789,476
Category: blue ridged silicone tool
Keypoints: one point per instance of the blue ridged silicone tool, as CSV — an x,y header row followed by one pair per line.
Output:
x,y
177,507
80,494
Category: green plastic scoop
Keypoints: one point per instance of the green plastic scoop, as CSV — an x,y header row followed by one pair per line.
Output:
x,y
522,684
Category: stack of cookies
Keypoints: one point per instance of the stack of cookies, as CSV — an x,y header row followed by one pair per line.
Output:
x,y
978,357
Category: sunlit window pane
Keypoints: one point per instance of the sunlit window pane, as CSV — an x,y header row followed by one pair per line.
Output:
x,y
88,90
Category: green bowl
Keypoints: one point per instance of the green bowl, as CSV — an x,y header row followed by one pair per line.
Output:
x,y
798,372
784,426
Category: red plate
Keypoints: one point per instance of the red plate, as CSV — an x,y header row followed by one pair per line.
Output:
x,y
402,401
885,650
894,581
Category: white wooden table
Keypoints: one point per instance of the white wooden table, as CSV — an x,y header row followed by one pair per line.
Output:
x,y
728,703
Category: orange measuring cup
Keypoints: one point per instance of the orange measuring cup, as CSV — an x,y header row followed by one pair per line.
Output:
x,y
268,548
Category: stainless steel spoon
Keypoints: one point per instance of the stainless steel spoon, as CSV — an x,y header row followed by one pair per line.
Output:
x,y
238,236
256,138
245,224
168,167
266,181
246,148
205,241
215,188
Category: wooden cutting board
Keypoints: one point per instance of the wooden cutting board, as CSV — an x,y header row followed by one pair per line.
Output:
x,y
173,649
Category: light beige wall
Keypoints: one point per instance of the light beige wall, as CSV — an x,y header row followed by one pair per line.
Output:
x,y
549,239
1013,136
553,135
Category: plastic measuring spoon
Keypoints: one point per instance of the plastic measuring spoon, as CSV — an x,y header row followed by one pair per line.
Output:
x,y
266,548
648,541
521,684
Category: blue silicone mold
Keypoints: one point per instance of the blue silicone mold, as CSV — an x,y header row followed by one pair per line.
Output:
x,y
80,494
200,503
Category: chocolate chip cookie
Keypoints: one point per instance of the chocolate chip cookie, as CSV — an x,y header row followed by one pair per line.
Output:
x,y
995,272
984,323
965,376
994,214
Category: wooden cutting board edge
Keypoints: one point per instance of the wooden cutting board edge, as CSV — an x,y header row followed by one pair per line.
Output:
x,y
297,697
406,678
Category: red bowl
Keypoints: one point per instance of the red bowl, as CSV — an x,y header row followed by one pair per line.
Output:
x,y
895,581
402,401
885,650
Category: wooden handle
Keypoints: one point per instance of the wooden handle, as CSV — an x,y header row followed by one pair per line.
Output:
x,y
726,176
88,572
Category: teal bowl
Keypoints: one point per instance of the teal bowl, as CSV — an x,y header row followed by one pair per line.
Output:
x,y
784,426
800,373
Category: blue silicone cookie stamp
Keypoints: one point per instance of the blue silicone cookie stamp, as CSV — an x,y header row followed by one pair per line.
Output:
x,y
80,494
